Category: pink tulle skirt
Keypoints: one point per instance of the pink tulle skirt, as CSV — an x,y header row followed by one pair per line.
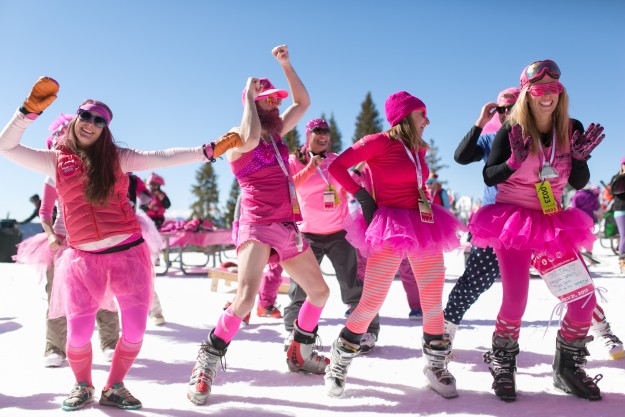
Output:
x,y
36,251
85,282
514,227
403,232
151,235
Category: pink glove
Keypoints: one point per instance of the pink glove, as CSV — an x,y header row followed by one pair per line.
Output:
x,y
519,146
583,144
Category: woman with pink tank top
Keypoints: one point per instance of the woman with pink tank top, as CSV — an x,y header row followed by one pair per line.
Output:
x,y
267,229
106,255
534,155
400,223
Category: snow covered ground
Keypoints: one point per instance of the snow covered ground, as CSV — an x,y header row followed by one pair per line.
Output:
x,y
388,381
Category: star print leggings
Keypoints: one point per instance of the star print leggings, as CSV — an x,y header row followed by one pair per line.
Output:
x,y
481,271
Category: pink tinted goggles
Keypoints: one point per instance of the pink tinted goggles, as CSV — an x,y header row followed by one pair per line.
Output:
x,y
538,90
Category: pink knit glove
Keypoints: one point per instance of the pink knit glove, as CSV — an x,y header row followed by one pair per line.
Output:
x,y
583,144
519,146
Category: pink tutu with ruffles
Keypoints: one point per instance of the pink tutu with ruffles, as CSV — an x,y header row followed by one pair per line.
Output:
x,y
150,234
515,227
86,282
36,251
403,232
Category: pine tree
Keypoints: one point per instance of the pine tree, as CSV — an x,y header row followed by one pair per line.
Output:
x,y
291,140
335,134
433,160
235,190
205,207
368,121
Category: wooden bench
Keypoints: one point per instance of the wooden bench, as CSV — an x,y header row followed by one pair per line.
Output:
x,y
215,274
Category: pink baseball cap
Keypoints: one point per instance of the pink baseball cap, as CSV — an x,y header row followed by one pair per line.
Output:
x,y
268,90
400,105
508,97
316,124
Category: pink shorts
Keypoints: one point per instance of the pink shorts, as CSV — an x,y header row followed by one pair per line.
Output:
x,y
281,237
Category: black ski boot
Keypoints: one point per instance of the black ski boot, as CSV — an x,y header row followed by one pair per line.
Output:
x,y
568,369
502,364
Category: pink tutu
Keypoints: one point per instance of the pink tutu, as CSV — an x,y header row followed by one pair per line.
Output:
x,y
85,282
150,234
36,251
403,231
514,227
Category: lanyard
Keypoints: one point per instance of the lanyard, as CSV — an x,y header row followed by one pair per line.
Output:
x,y
417,164
279,158
310,154
546,171
553,150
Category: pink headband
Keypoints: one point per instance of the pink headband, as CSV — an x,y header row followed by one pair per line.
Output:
x,y
98,109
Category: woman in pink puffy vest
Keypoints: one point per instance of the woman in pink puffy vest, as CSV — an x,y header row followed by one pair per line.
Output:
x,y
106,255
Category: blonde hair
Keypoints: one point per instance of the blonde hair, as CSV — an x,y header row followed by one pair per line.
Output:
x,y
406,131
522,115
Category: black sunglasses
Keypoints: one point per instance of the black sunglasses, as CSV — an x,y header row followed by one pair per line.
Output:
x,y
86,116
503,109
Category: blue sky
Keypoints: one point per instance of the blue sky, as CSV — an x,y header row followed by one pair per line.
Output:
x,y
173,72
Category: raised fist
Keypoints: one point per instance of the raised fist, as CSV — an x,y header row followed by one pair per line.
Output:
x,y
42,95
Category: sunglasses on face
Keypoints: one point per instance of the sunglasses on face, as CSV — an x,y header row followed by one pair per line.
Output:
x,y
85,116
538,70
503,109
538,90
321,131
274,101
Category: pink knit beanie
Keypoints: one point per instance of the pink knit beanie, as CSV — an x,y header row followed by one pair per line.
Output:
x,y
400,105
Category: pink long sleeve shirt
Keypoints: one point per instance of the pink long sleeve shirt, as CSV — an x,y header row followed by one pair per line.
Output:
x,y
394,175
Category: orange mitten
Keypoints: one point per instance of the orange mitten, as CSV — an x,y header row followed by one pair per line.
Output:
x,y
42,95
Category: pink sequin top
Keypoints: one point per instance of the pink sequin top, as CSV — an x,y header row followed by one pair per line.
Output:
x,y
265,194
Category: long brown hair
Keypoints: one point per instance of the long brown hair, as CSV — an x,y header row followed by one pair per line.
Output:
x,y
101,163
407,132
522,115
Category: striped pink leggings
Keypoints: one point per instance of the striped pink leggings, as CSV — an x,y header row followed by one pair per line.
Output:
x,y
429,271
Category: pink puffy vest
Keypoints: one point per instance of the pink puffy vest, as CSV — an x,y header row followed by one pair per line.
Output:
x,y
85,222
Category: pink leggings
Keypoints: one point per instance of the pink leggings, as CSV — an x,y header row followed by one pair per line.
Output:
x,y
381,268
134,321
514,266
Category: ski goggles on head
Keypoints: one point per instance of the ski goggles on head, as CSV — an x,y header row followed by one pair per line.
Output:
x,y
538,90
537,70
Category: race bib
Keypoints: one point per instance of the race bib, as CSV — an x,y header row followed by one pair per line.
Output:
x,y
565,274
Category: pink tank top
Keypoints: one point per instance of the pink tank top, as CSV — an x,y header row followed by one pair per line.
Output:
x,y
520,188
265,194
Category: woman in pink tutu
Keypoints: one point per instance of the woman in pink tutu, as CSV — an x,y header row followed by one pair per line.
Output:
x,y
534,155
41,250
106,254
399,223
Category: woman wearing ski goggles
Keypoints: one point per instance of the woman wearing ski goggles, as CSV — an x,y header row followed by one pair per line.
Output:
x,y
533,156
